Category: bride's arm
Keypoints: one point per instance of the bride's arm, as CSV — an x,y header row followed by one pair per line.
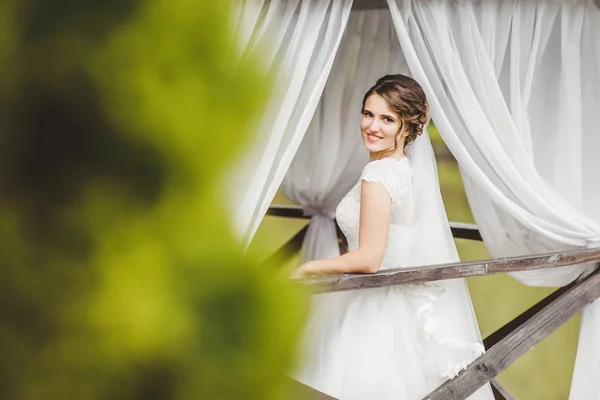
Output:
x,y
375,216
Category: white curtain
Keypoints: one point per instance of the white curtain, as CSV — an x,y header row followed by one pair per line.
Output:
x,y
331,156
297,42
514,88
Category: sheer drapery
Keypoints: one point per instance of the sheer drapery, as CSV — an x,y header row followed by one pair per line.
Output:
x,y
297,41
516,132
514,89
331,156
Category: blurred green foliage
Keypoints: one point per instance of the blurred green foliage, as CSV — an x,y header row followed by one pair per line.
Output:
x,y
119,277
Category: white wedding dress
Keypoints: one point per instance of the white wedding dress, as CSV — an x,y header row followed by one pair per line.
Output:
x,y
397,342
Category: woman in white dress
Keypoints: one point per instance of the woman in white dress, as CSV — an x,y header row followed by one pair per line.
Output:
x,y
397,342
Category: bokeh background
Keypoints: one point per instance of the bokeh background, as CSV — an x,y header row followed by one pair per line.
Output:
x,y
119,276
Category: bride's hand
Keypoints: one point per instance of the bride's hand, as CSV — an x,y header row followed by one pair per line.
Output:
x,y
301,272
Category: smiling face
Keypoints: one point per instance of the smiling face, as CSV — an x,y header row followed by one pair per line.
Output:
x,y
380,127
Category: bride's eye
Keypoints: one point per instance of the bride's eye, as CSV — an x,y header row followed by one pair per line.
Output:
x,y
387,119
367,114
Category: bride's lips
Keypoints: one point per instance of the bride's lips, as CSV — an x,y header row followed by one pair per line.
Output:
x,y
373,138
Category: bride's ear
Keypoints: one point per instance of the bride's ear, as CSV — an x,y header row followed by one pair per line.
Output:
x,y
401,136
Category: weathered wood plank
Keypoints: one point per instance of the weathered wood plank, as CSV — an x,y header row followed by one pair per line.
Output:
x,y
399,276
509,349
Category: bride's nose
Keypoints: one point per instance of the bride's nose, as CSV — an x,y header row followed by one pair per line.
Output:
x,y
374,126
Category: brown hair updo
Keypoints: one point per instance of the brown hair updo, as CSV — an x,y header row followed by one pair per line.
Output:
x,y
405,97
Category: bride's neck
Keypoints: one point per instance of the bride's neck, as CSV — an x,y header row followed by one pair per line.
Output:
x,y
398,154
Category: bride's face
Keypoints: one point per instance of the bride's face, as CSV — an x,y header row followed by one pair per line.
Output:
x,y
379,125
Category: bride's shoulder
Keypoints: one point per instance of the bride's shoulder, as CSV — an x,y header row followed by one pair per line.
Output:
x,y
387,165
394,174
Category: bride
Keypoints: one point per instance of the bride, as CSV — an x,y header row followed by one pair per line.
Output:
x,y
397,342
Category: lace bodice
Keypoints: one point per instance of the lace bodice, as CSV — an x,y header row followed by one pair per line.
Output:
x,y
396,177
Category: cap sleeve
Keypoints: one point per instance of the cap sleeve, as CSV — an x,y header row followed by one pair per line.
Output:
x,y
394,177
378,171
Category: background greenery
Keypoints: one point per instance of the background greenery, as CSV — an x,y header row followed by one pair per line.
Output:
x,y
119,277
544,373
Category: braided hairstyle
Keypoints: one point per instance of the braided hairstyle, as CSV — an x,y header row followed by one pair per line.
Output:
x,y
405,97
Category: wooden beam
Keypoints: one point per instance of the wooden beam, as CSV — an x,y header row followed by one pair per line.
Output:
x,y
301,391
369,4
460,230
509,349
287,211
399,276
290,248
342,241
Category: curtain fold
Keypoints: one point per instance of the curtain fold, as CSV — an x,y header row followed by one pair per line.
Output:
x,y
514,89
331,156
492,123
297,42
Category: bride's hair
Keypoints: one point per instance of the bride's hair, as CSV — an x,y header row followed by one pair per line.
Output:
x,y
406,98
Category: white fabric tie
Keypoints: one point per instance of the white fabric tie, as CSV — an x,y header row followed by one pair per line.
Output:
x,y
317,212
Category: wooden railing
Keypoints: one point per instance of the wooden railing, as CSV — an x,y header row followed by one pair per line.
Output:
x,y
504,346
